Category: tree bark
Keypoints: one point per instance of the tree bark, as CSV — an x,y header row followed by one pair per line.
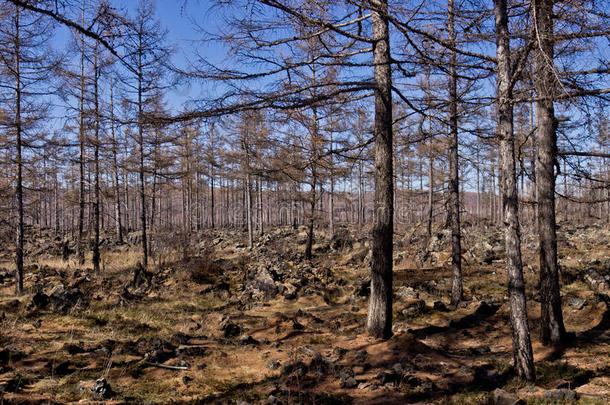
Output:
x,y
312,212
522,347
117,189
19,159
141,158
379,322
80,254
552,327
248,192
96,153
454,180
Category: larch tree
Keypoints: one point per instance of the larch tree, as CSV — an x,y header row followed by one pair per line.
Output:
x,y
523,357
545,84
25,64
147,55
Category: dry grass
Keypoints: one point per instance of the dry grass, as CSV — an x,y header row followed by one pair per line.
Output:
x,y
178,304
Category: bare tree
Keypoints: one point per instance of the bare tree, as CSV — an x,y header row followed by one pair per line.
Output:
x,y
522,347
545,82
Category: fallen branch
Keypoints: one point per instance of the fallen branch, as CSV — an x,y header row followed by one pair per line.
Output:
x,y
166,366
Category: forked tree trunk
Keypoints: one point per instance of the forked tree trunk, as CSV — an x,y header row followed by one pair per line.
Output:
x,y
522,347
379,322
551,322
454,180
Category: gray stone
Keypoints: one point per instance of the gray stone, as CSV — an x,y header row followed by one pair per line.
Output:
x,y
576,303
501,397
561,394
346,375
407,293
101,389
272,364
414,308
350,382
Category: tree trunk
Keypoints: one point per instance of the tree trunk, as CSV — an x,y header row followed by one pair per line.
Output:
x,y
331,197
96,153
379,322
212,223
248,193
430,210
551,322
117,190
19,161
142,174
80,254
522,347
454,179
259,206
312,212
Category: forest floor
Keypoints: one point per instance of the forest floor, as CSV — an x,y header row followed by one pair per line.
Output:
x,y
216,323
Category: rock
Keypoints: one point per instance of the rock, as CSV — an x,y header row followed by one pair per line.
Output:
x,y
264,284
485,377
346,372
230,329
407,293
294,368
296,325
63,299
339,351
439,306
361,356
390,378
349,383
483,252
272,364
501,397
155,350
342,239
72,348
346,375
247,340
576,303
358,257
364,385
272,400
40,300
562,394
413,381
10,353
414,308
101,389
